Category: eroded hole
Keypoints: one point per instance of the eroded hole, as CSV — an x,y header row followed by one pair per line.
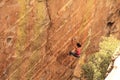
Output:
x,y
9,39
110,24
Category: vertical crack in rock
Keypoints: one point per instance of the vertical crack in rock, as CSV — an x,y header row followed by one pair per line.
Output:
x,y
48,45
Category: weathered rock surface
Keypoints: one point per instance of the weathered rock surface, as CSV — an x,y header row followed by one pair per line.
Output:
x,y
35,35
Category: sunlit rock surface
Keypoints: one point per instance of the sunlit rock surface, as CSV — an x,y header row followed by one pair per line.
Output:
x,y
114,65
114,74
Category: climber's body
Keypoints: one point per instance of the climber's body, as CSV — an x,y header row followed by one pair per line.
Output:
x,y
77,50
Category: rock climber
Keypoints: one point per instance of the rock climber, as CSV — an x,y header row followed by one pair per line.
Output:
x,y
77,49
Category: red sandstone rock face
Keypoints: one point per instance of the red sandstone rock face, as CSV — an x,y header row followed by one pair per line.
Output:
x,y
35,35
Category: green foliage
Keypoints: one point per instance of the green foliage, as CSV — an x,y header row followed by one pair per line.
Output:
x,y
98,62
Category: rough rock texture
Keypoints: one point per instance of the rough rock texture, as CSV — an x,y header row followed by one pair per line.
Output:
x,y
35,35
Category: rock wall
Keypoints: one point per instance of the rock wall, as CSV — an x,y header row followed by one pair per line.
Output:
x,y
23,37
35,35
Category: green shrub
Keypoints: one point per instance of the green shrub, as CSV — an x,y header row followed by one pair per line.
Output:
x,y
98,62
